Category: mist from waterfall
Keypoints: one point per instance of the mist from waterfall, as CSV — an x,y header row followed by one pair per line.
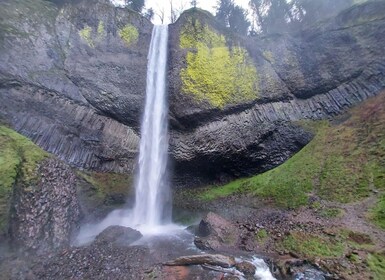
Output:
x,y
152,199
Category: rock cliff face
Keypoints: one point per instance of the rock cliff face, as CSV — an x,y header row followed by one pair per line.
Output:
x,y
314,75
45,214
72,79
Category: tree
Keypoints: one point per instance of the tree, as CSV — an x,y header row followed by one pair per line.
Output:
x,y
175,11
149,14
270,16
238,20
136,5
232,16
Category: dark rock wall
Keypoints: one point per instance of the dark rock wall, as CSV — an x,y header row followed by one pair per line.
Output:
x,y
44,214
71,83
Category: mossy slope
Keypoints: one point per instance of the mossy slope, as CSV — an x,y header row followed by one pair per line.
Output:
x,y
343,163
18,161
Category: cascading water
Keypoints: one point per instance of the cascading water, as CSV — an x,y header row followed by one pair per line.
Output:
x,y
152,188
152,211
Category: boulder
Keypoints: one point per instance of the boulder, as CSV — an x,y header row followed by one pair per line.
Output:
x,y
117,235
215,259
215,232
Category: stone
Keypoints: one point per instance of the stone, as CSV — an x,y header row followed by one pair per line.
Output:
x,y
117,235
215,232
210,259
247,268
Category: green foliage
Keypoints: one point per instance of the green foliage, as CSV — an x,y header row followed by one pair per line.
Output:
x,y
232,16
136,5
376,264
377,214
261,235
342,163
215,73
18,161
86,35
129,34
311,246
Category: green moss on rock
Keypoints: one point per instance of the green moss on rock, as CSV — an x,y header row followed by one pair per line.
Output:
x,y
86,35
18,161
129,34
101,30
215,73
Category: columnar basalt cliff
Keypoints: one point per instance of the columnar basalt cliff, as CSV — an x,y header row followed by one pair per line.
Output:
x,y
315,74
72,79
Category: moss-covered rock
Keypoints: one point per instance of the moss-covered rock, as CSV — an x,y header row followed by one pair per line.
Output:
x,y
215,72
19,158
129,34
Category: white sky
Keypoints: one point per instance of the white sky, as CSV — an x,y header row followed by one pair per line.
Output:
x,y
158,5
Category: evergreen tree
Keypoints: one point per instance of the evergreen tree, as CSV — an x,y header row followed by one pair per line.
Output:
x,y
232,16
136,5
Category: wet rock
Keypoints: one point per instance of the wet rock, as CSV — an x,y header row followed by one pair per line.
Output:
x,y
78,97
117,235
215,232
47,211
247,268
215,259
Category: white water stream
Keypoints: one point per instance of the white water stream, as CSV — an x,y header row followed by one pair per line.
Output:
x,y
152,188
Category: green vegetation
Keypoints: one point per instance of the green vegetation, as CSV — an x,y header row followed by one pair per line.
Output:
x,y
377,214
261,235
129,34
86,35
216,73
310,246
107,185
18,161
376,264
342,163
101,31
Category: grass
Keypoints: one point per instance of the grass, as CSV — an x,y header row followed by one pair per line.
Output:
x,y
261,235
311,246
377,213
342,163
18,161
376,264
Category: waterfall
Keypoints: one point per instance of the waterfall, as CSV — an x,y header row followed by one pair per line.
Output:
x,y
152,186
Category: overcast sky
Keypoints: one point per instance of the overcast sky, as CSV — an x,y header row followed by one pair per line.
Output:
x,y
165,5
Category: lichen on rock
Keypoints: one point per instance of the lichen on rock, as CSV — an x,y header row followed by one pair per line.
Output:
x,y
86,35
215,72
129,34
